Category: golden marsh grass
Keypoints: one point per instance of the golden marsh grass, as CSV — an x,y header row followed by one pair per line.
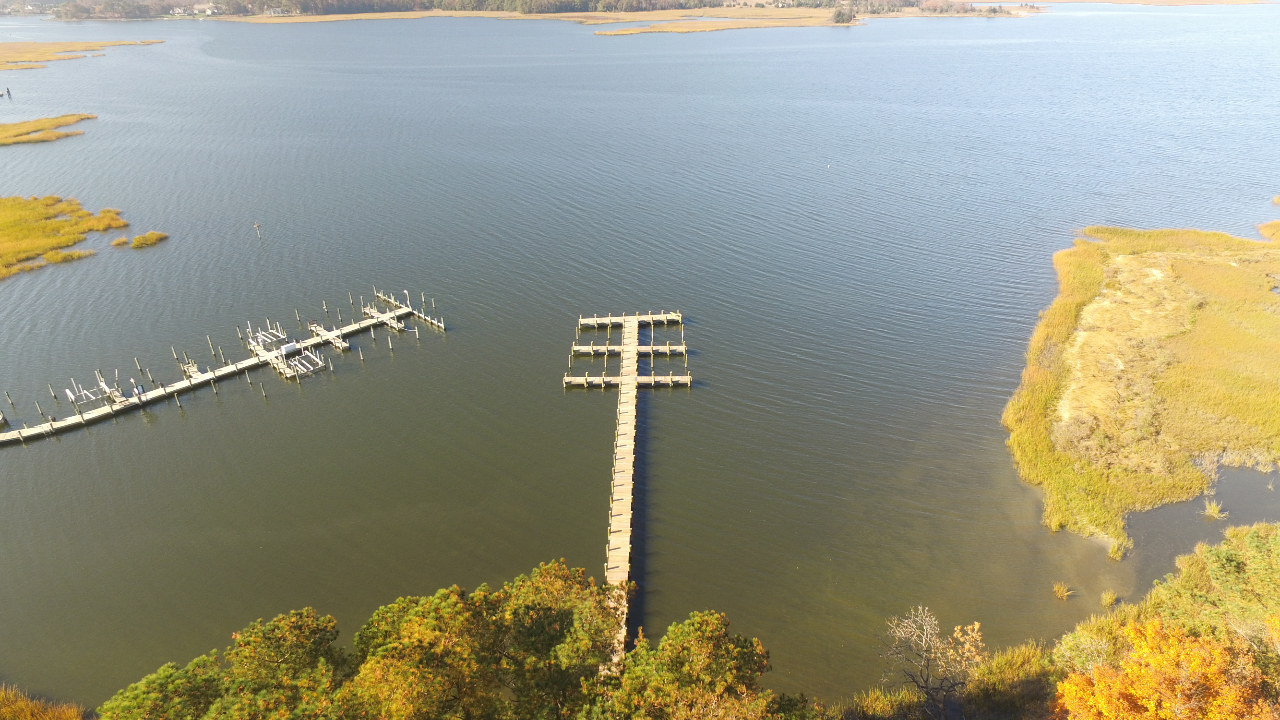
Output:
x,y
30,55
1270,230
1158,360
42,130
677,21
34,230
1109,599
1062,591
148,240
17,705
1213,510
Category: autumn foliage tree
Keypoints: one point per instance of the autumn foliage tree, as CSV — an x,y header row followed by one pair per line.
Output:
x,y
541,647
1168,675
699,670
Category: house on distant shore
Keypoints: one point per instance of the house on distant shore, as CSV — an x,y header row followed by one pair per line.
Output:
x,y
205,9
180,11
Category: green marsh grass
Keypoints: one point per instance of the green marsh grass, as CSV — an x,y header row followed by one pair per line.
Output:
x,y
34,227
898,703
148,240
1161,347
42,130
1017,682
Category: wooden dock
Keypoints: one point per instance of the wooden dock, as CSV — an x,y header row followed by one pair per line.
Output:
x,y
628,381
271,347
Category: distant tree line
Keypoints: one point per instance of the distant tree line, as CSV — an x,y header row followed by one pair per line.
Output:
x,y
848,9
128,9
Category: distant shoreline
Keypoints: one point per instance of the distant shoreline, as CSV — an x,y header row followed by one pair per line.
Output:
x,y
702,19
679,21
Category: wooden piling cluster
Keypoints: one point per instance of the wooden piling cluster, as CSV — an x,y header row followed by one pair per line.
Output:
x,y
628,381
284,359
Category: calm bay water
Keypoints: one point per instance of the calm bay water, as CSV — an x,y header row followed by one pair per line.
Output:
x,y
858,223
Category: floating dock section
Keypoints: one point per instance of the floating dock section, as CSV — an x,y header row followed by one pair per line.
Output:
x,y
617,568
270,346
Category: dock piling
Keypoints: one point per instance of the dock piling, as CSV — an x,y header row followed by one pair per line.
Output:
x,y
292,358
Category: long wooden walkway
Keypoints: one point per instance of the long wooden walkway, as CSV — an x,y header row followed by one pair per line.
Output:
x,y
117,402
628,381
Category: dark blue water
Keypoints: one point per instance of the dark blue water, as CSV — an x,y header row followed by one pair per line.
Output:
x,y
858,223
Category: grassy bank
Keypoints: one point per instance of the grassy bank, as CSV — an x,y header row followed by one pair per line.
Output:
x,y
32,55
42,130
1157,361
17,705
33,231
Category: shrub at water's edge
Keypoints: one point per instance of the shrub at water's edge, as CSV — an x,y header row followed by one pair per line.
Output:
x,y
1209,634
42,130
32,229
1184,393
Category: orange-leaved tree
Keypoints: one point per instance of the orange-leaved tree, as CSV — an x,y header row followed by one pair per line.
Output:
x,y
1168,675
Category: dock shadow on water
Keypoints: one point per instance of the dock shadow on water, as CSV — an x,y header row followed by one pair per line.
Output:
x,y
1160,535
640,522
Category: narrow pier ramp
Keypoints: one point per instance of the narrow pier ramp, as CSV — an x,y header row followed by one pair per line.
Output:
x,y
628,381
269,346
